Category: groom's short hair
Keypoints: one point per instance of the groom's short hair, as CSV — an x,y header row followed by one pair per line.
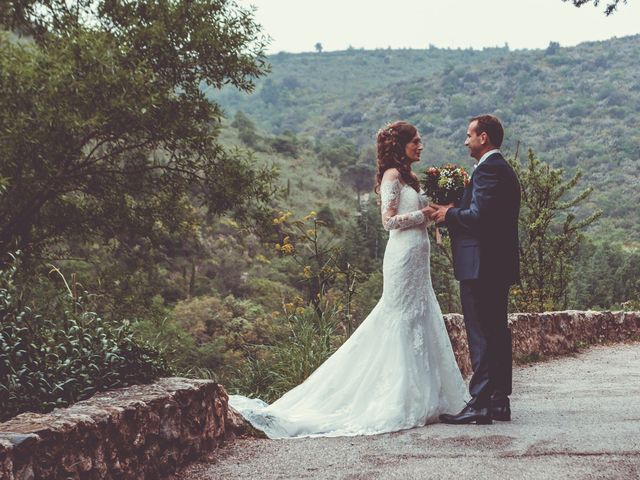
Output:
x,y
490,124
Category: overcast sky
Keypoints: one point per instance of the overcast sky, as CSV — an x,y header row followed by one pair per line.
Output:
x,y
297,25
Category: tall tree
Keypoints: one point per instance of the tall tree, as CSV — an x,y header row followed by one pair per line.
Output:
x,y
611,7
359,175
607,275
104,128
550,234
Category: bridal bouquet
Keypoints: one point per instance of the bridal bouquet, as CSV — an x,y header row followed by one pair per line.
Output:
x,y
444,185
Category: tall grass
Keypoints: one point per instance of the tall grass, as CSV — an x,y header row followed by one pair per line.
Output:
x,y
270,371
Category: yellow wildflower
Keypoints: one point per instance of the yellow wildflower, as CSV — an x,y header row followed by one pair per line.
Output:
x,y
307,271
288,249
327,271
262,259
283,217
312,214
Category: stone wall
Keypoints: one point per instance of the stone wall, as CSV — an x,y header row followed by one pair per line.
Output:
x,y
541,335
144,431
147,431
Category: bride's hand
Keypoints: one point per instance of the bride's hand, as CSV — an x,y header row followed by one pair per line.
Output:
x,y
428,211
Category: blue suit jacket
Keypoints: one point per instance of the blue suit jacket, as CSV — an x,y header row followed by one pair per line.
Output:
x,y
484,225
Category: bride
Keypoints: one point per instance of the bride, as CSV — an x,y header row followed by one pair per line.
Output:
x,y
397,370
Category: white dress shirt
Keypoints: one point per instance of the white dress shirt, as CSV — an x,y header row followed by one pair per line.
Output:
x,y
486,155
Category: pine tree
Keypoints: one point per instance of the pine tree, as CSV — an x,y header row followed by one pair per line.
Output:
x,y
550,234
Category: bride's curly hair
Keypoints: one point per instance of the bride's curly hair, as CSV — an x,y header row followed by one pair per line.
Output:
x,y
391,142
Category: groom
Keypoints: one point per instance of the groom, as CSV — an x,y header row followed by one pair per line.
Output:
x,y
484,243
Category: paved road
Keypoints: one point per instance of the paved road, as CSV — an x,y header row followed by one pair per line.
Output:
x,y
574,418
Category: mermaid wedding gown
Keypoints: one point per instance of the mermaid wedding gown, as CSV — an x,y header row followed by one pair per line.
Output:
x,y
397,370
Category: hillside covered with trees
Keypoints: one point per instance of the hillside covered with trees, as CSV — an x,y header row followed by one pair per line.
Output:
x,y
577,107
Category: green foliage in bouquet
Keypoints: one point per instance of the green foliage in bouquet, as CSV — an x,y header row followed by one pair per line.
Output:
x,y
53,362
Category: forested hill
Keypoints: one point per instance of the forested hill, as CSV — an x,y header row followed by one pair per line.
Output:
x,y
576,107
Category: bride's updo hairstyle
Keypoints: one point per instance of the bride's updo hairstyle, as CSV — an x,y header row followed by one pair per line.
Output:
x,y
391,142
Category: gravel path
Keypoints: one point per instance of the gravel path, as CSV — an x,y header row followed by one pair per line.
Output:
x,y
573,418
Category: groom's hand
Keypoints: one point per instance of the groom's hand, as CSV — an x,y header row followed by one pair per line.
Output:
x,y
439,212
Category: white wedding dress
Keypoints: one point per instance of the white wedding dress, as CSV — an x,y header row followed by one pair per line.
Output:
x,y
397,370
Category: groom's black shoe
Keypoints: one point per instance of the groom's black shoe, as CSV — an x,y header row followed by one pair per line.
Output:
x,y
500,409
469,414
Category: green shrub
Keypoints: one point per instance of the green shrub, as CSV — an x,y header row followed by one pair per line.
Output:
x,y
207,336
48,362
269,293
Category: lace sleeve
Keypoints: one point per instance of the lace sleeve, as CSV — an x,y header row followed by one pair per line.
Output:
x,y
390,195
